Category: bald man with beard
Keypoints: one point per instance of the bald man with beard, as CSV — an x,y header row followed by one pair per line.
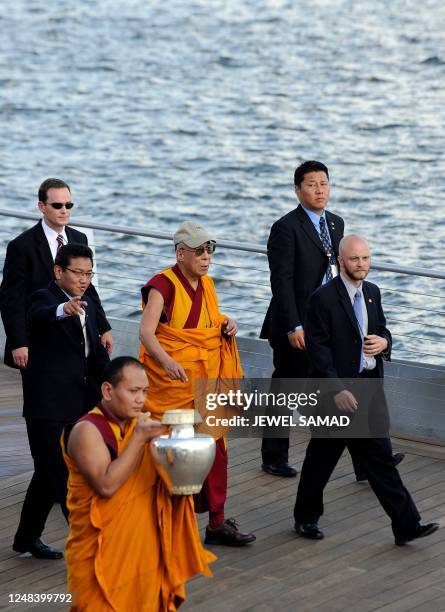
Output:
x,y
347,338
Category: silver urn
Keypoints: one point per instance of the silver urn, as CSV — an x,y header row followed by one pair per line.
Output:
x,y
184,458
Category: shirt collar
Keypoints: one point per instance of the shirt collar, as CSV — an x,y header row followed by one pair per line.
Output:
x,y
51,234
350,288
313,216
68,295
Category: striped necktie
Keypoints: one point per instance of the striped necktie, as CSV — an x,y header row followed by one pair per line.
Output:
x,y
59,242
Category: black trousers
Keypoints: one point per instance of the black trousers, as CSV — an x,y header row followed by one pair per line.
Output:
x,y
292,363
288,363
49,482
376,460
378,421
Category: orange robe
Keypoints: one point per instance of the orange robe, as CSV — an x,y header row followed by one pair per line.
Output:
x,y
202,351
211,363
135,551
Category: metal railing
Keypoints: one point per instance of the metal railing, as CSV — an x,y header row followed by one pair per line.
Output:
x,y
127,257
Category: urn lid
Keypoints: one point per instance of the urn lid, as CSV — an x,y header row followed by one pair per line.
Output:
x,y
180,416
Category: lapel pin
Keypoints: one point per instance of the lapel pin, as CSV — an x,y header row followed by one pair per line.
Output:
x,y
370,300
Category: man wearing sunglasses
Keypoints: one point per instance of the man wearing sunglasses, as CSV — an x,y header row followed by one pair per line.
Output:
x,y
186,338
29,266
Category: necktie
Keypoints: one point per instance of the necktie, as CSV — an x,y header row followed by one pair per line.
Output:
x,y
59,242
359,316
327,247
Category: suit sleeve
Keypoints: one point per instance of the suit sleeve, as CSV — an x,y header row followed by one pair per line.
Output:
x,y
101,358
41,309
13,296
318,340
383,331
281,255
102,322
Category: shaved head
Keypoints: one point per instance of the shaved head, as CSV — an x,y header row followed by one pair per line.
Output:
x,y
351,242
354,258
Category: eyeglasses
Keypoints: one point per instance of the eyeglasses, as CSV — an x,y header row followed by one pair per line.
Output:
x,y
209,248
80,274
59,205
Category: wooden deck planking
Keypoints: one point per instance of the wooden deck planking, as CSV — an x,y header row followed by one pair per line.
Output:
x,y
14,450
356,567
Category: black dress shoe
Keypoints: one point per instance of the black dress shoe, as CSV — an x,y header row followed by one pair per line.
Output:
x,y
227,534
38,549
282,469
398,458
309,530
420,532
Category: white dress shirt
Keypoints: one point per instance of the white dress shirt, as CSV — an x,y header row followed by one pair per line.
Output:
x,y
51,236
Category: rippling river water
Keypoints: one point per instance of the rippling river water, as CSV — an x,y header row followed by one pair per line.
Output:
x,y
158,111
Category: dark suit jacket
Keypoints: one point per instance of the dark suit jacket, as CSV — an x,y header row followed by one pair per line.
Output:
x,y
334,347
297,264
28,267
332,335
60,383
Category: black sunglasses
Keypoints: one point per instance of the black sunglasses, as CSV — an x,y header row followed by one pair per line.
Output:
x,y
59,205
210,248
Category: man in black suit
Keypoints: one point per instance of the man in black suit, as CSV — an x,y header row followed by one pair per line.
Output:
x,y
302,251
63,373
347,338
29,266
